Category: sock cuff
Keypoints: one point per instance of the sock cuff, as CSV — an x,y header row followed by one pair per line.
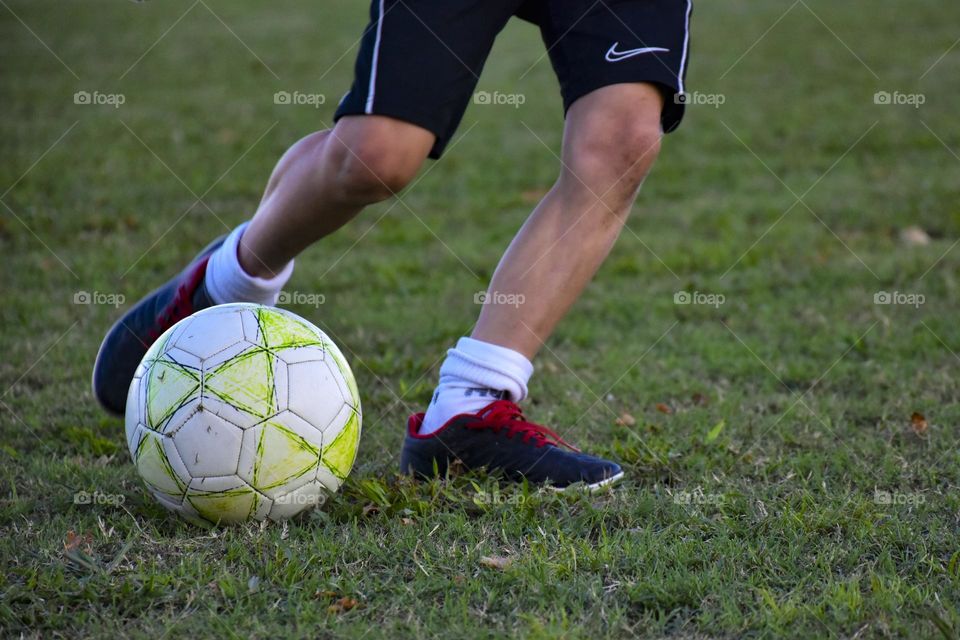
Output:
x,y
226,281
489,365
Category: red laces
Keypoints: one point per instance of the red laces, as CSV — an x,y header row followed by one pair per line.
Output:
x,y
503,414
182,303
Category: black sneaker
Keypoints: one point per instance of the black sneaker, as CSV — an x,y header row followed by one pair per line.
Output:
x,y
129,338
499,439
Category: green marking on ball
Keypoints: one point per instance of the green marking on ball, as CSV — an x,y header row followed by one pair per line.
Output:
x,y
169,385
246,382
232,505
280,331
340,454
341,362
282,455
155,468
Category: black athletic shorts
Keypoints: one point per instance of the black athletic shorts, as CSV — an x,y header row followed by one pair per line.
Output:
x,y
420,60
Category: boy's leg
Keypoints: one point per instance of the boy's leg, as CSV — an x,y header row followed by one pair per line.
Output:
x,y
324,180
611,139
621,69
320,183
409,93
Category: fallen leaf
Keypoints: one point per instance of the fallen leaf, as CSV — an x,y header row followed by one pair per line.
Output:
x,y
74,542
625,420
343,604
715,431
664,408
496,562
919,423
699,399
914,237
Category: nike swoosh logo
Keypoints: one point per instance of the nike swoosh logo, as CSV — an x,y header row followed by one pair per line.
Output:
x,y
616,56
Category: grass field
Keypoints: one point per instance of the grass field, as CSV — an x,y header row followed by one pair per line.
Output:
x,y
777,485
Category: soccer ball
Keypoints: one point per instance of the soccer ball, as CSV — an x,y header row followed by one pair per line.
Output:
x,y
240,412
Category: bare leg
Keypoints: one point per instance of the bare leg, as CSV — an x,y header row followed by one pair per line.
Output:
x,y
324,180
611,139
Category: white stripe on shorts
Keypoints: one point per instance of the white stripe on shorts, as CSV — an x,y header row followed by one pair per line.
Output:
x,y
371,90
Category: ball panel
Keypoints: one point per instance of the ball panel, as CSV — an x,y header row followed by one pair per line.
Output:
x,y
251,327
247,382
208,445
281,329
180,416
339,454
311,494
168,386
230,413
210,331
351,394
280,454
219,358
157,467
132,418
314,393
226,499
326,478
182,358
308,353
173,504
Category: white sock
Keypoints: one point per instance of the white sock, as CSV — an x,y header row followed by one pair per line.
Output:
x,y
226,281
473,375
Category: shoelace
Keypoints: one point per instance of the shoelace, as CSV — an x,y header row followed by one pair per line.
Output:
x,y
182,303
503,414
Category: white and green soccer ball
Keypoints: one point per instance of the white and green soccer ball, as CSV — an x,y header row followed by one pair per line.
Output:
x,y
241,412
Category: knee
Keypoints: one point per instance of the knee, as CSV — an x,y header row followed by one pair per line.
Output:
x,y
370,172
371,168
613,157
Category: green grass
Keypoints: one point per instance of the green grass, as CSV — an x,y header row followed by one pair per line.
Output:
x,y
768,526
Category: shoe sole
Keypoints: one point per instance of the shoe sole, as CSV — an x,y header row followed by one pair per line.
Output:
x,y
592,488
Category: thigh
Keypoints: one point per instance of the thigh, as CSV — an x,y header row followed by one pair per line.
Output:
x,y
594,45
420,60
